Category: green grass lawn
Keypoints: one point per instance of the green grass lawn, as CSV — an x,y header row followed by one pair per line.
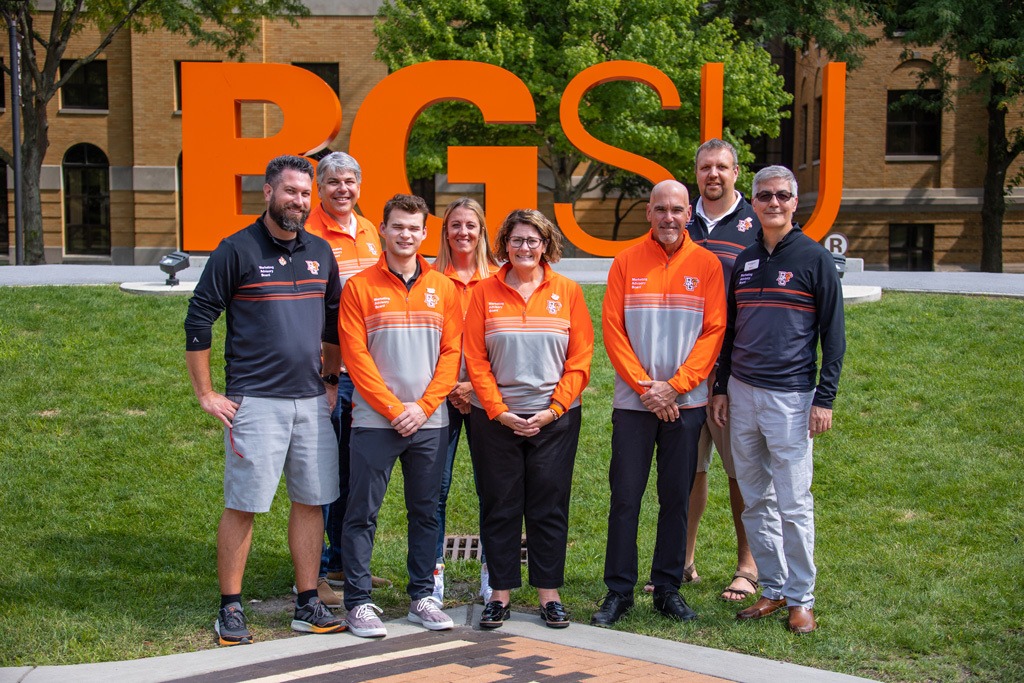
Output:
x,y
111,492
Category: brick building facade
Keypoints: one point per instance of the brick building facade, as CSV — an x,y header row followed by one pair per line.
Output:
x,y
111,178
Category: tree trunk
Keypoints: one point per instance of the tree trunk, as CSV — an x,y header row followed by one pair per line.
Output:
x,y
993,204
33,151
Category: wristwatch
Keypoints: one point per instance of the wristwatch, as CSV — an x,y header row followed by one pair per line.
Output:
x,y
330,379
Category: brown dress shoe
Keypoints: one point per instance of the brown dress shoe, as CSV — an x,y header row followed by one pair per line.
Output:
x,y
801,620
762,608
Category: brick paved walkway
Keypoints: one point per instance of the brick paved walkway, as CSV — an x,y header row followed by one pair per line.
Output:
x,y
458,655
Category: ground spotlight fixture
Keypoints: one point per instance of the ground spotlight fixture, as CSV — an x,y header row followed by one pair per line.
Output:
x,y
172,264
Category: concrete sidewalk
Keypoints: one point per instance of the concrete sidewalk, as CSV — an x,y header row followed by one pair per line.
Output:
x,y
584,271
523,649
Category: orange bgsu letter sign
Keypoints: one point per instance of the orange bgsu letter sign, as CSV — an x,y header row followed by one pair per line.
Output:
x,y
215,155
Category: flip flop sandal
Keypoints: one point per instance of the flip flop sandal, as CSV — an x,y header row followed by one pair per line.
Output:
x,y
742,592
690,574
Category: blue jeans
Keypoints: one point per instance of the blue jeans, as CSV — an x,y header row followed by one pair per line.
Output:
x,y
334,513
455,423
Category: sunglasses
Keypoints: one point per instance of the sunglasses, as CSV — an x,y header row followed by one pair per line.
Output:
x,y
766,196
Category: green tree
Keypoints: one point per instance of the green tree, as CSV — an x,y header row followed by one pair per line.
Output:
x,y
836,26
228,25
547,43
989,36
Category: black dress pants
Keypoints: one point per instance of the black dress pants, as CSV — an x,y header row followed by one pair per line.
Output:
x,y
634,436
529,479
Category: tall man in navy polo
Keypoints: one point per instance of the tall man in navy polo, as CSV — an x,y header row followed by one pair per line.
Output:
x,y
784,299
280,288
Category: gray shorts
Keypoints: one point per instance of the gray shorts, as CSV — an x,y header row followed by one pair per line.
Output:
x,y
273,435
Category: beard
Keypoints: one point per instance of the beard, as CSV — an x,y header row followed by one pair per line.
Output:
x,y
713,193
283,220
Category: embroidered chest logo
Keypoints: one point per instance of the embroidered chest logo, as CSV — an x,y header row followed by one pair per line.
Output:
x,y
267,271
493,306
313,267
638,283
690,283
282,260
745,224
338,251
554,305
380,302
431,298
784,277
373,248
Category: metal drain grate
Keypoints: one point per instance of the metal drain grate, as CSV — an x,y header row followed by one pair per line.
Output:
x,y
468,547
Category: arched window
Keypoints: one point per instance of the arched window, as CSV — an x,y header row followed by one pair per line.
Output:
x,y
86,201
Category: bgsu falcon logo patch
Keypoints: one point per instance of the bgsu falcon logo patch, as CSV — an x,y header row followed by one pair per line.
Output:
x,y
784,277
690,283
431,298
745,224
313,266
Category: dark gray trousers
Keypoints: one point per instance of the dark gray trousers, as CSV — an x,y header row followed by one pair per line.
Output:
x,y
373,453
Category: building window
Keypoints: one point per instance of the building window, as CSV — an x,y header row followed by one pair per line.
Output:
x,y
816,134
767,152
914,126
87,87
86,201
803,135
5,235
327,71
911,246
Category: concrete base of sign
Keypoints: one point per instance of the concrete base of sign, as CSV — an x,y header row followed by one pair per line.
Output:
x,y
860,294
158,288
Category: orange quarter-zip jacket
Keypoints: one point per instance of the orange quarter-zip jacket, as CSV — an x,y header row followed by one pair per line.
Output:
x,y
400,345
527,356
664,319
465,290
353,254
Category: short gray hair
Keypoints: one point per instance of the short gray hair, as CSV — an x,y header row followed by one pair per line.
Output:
x,y
336,162
715,144
771,173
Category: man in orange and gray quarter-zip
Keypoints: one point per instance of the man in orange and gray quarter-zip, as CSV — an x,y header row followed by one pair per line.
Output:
x,y
401,331
663,321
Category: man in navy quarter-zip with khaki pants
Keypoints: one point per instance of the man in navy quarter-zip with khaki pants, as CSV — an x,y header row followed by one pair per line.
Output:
x,y
784,299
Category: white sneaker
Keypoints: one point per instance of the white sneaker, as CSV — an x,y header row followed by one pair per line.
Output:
x,y
439,582
427,611
363,622
485,584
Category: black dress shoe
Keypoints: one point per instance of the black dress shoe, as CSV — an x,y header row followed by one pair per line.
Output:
x,y
494,614
554,614
672,605
613,606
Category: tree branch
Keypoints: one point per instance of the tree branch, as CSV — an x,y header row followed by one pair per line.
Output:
x,y
103,44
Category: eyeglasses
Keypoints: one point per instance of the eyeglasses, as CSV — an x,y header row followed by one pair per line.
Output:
x,y
531,242
766,196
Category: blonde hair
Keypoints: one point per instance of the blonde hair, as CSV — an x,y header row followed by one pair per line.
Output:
x,y
483,257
